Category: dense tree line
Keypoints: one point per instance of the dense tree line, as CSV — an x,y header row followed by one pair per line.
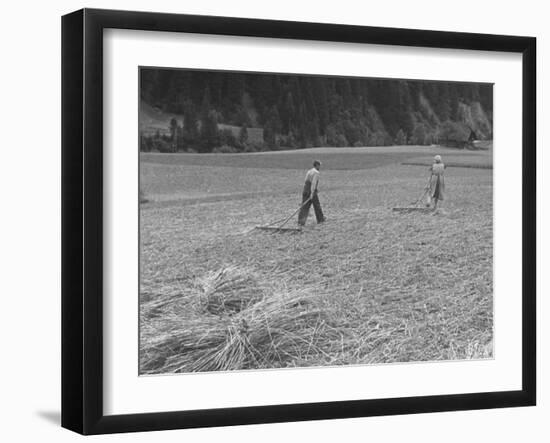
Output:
x,y
303,111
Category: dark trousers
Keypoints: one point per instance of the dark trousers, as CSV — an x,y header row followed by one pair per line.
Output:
x,y
304,212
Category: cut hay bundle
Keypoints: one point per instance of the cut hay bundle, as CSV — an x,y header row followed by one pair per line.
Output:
x,y
187,345
286,327
228,290
281,328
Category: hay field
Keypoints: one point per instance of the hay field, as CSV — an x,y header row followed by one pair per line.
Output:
x,y
368,286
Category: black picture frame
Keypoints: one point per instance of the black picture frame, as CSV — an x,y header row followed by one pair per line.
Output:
x,y
82,220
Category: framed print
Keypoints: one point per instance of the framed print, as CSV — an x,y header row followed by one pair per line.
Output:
x,y
270,221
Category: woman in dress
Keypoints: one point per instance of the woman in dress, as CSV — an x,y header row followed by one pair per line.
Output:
x,y
437,181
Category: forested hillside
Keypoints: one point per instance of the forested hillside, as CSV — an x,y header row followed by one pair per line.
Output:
x,y
303,111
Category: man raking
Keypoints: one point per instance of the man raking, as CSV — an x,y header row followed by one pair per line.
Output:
x,y
310,197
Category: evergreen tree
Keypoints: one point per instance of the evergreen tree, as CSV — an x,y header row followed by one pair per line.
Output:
x,y
400,138
206,106
174,134
173,128
442,104
272,127
234,89
287,112
190,124
242,117
209,132
243,135
321,104
419,136
453,102
216,88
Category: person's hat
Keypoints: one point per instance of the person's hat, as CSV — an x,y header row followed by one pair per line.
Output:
x,y
437,158
316,163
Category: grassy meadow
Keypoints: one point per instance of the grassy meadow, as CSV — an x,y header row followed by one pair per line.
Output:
x,y
368,286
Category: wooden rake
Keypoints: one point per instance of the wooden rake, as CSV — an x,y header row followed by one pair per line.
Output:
x,y
415,207
281,228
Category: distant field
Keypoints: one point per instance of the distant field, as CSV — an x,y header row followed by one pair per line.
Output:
x,y
184,177
332,158
390,287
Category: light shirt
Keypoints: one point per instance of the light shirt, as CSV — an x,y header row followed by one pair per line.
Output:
x,y
313,177
438,168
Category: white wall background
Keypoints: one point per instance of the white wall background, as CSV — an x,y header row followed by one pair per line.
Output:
x,y
30,219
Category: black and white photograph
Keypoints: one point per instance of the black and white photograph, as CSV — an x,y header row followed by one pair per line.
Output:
x,y
294,221
272,222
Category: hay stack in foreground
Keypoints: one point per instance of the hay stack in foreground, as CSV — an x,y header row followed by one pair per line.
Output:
x,y
244,333
229,290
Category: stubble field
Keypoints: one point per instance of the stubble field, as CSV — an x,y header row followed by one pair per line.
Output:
x,y
368,286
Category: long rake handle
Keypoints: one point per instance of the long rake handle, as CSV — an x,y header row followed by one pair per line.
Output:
x,y
426,190
421,197
276,221
293,214
283,219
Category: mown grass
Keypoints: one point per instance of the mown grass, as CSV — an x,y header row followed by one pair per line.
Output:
x,y
382,287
